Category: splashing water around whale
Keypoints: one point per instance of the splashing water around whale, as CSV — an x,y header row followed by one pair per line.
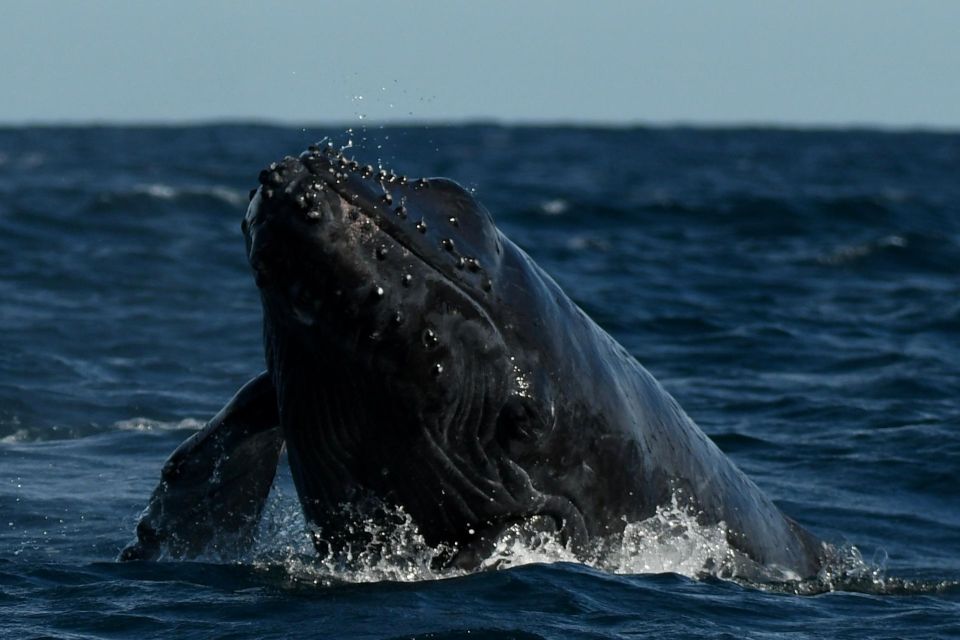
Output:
x,y
671,541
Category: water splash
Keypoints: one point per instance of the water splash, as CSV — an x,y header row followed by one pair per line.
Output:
x,y
394,549
670,541
846,570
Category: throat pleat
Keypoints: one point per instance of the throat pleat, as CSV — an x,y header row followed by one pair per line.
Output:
x,y
326,425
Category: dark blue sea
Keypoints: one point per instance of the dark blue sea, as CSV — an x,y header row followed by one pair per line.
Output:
x,y
798,292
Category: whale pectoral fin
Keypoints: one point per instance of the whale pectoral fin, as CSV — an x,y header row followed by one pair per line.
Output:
x,y
213,487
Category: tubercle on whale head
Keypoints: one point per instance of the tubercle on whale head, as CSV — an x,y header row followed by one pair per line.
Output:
x,y
454,233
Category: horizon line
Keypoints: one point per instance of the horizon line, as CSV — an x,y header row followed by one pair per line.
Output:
x,y
571,123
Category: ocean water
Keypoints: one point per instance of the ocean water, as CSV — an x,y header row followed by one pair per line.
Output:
x,y
797,291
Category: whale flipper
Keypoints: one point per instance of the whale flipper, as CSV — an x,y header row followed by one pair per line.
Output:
x,y
213,487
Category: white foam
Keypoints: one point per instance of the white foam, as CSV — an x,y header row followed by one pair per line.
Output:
x,y
160,191
670,541
394,553
555,207
852,253
146,424
20,435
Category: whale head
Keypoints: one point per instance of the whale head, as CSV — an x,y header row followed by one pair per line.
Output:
x,y
390,338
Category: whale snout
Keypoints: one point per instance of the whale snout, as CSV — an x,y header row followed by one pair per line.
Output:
x,y
281,225
324,216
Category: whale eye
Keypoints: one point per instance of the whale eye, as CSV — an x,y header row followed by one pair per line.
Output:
x,y
520,426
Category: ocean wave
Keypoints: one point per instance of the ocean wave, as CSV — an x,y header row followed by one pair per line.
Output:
x,y
146,424
848,254
13,430
555,207
23,160
17,436
158,193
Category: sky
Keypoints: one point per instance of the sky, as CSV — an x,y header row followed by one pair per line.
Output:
x,y
721,62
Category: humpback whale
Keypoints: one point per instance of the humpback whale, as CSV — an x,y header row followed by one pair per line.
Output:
x,y
417,359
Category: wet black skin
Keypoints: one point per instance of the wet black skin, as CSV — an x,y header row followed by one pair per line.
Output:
x,y
419,359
